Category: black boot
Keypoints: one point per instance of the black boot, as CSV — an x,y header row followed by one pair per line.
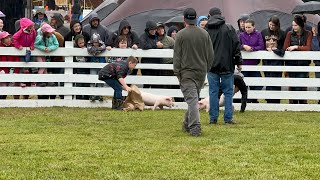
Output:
x,y
114,103
119,103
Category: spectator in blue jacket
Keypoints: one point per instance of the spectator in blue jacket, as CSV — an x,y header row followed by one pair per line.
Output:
x,y
315,46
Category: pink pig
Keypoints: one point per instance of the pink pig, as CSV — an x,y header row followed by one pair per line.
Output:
x,y
156,101
205,103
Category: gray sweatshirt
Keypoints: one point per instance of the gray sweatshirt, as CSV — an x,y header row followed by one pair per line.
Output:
x,y
193,54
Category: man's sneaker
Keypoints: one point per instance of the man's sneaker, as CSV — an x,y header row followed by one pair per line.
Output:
x,y
196,131
185,127
213,121
230,122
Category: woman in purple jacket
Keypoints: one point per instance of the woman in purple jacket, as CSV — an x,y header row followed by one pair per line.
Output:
x,y
251,40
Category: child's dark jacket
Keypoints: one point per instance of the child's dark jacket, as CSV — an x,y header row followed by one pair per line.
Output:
x,y
116,70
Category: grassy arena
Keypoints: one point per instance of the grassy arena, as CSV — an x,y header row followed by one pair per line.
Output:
x,y
73,143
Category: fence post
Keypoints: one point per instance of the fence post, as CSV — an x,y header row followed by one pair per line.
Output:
x,y
68,59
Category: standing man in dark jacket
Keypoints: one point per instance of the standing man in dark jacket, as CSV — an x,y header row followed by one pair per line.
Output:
x,y
94,26
192,58
227,54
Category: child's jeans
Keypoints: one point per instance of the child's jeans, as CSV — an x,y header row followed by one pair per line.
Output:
x,y
116,86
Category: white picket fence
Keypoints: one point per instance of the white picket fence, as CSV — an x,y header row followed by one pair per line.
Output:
x,y
69,79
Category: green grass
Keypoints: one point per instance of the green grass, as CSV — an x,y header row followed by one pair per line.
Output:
x,y
72,143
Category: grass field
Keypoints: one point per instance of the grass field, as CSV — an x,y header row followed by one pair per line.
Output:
x,y
73,143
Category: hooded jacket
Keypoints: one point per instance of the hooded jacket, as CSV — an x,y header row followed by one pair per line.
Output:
x,y
23,39
255,41
59,26
242,17
51,43
132,37
9,59
38,22
226,45
73,34
101,30
96,50
147,40
200,18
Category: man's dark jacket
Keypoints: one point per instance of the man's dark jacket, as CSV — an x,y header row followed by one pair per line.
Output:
x,y
226,45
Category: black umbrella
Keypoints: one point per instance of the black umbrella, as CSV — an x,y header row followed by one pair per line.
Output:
x,y
103,10
311,7
174,21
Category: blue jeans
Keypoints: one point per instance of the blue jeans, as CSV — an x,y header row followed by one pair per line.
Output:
x,y
75,16
227,89
116,86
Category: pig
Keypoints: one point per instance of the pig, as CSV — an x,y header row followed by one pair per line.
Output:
x,y
205,103
156,101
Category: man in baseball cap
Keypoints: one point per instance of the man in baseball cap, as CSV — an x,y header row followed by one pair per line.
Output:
x,y
192,58
190,16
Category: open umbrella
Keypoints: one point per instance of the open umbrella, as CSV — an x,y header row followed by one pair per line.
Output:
x,y
2,15
177,21
311,7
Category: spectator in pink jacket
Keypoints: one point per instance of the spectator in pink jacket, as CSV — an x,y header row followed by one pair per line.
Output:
x,y
26,35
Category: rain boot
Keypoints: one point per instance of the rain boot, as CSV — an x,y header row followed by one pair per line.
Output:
x,y
119,104
114,103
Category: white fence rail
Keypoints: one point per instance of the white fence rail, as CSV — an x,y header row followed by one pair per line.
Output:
x,y
68,90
